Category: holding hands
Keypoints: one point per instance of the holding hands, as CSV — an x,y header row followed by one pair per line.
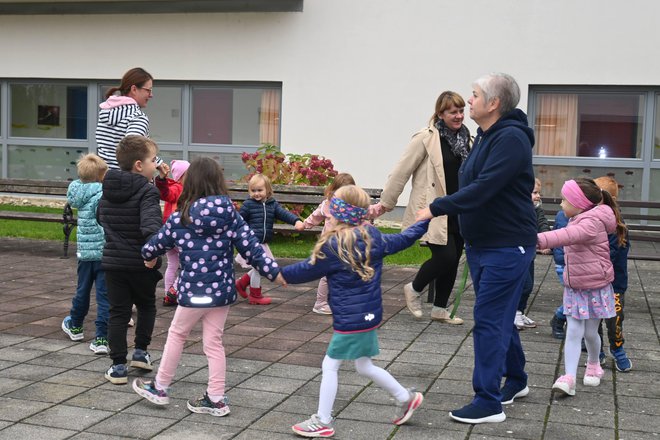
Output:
x,y
423,214
300,226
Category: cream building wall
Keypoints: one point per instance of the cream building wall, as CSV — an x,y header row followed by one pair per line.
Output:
x,y
358,76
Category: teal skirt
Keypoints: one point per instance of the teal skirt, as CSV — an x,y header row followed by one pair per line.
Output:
x,y
353,345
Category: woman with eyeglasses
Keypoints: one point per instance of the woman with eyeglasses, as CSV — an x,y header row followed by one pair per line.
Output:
x,y
121,113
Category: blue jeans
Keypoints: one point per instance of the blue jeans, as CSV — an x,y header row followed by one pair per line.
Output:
x,y
560,274
90,273
498,275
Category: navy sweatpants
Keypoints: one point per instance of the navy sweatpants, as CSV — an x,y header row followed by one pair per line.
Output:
x,y
498,275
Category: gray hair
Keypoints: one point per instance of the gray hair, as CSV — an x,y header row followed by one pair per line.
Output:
x,y
501,86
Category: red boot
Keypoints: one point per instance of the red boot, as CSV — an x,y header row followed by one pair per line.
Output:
x,y
170,297
241,284
257,298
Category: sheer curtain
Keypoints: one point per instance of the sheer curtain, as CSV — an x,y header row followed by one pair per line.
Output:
x,y
269,117
556,124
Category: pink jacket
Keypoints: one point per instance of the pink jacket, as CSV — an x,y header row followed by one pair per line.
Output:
x,y
586,248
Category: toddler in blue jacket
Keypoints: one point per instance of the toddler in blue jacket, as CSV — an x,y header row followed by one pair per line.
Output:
x,y
350,254
84,194
260,212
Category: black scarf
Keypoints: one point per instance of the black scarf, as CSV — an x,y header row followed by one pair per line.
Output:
x,y
458,140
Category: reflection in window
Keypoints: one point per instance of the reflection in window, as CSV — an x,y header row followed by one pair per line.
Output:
x,y
50,163
48,111
164,111
656,138
239,116
553,177
231,163
589,125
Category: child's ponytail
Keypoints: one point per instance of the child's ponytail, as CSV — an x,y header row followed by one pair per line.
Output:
x,y
621,227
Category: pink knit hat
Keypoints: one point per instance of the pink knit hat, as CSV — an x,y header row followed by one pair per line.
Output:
x,y
179,168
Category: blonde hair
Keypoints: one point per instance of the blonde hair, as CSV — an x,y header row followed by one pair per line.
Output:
x,y
261,178
340,180
91,168
537,182
344,235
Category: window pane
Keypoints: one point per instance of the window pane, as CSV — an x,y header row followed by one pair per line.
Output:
x,y
164,113
235,116
168,155
50,163
48,111
655,192
553,178
589,125
656,138
232,164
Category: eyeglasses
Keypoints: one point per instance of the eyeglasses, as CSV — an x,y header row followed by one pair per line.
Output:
x,y
151,91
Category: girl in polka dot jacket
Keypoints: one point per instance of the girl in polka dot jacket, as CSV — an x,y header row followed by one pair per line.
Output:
x,y
204,230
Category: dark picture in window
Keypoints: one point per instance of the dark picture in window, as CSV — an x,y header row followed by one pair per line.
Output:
x,y
48,115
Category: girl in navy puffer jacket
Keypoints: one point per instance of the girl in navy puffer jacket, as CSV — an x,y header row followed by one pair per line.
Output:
x,y
260,212
204,230
350,255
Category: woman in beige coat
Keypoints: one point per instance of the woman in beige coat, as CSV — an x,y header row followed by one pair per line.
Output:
x,y
433,158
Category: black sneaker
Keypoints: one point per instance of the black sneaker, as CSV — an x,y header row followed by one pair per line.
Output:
x,y
117,374
141,360
510,393
557,326
204,405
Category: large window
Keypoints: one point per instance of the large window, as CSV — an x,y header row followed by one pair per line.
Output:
x,y
49,123
589,124
596,131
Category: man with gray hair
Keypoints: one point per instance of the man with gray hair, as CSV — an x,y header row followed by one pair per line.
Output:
x,y
498,223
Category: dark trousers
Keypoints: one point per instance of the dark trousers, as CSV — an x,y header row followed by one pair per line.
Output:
x,y
615,324
124,290
441,267
497,276
527,288
90,274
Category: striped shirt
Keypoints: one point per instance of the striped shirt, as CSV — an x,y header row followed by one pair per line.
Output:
x,y
116,122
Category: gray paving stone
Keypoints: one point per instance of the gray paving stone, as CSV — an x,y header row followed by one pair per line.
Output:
x,y
64,360
512,428
25,431
130,426
33,372
83,378
16,409
239,418
637,435
290,371
46,392
563,431
68,417
108,400
275,385
16,354
256,398
251,434
176,409
96,436
198,431
635,421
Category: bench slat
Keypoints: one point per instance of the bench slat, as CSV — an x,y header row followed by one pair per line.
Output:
x,y
31,216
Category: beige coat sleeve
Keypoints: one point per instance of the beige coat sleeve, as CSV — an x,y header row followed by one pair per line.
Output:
x,y
412,157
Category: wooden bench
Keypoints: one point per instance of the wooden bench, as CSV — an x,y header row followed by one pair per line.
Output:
x,y
289,194
44,188
643,226
296,195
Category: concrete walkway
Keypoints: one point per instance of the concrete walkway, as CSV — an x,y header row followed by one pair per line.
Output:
x,y
53,388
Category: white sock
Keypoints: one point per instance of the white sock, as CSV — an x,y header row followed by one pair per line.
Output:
x,y
255,279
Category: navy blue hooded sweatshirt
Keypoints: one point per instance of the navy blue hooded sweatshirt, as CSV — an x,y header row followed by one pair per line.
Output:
x,y
495,182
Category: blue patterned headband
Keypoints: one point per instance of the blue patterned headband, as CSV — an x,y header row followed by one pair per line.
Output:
x,y
347,213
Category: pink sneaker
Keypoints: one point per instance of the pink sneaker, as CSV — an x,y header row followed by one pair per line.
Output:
x,y
593,374
565,384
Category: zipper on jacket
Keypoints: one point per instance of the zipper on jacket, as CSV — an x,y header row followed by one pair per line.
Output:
x,y
263,240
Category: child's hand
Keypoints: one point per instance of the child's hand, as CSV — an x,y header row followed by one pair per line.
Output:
x,y
280,280
546,251
151,263
300,226
163,170
423,214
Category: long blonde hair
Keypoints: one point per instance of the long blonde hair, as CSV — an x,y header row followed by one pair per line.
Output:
x,y
344,235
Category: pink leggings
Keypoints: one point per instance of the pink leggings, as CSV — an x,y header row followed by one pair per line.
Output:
x,y
213,324
172,268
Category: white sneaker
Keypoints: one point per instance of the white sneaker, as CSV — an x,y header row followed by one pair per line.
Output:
x,y
442,315
518,321
413,300
528,323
